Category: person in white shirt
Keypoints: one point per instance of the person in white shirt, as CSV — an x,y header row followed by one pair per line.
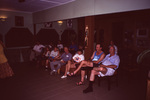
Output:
x,y
51,45
77,58
54,53
46,55
60,46
36,51
38,47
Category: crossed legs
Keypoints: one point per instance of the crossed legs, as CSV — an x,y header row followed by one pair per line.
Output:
x,y
94,72
83,64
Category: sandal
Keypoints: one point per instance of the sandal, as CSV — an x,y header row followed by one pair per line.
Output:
x,y
71,74
80,83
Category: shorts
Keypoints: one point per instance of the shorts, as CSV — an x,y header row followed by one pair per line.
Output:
x,y
77,65
110,72
95,65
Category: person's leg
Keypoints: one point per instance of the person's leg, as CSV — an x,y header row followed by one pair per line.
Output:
x,y
82,75
52,65
94,72
83,63
69,66
59,64
46,63
66,70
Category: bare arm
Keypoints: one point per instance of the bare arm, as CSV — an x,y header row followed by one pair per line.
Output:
x,y
109,66
92,56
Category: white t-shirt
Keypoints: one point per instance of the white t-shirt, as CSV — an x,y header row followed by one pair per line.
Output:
x,y
53,53
78,58
38,48
60,46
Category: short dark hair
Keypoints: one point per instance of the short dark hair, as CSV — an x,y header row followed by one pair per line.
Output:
x,y
80,50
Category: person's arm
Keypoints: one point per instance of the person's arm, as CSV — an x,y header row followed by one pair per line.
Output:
x,y
100,59
92,56
34,48
57,55
70,56
109,66
74,57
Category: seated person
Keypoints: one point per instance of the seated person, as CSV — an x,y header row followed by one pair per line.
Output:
x,y
51,45
107,68
65,57
46,55
77,58
37,51
54,54
60,46
73,48
81,47
96,58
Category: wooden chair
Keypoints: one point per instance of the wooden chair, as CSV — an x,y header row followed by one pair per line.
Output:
x,y
109,79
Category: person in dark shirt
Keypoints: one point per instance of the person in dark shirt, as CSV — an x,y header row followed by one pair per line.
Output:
x,y
73,48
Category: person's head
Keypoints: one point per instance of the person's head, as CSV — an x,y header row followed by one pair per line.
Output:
x,y
72,42
59,42
51,43
66,49
80,47
47,48
55,48
112,50
80,51
37,43
111,42
98,47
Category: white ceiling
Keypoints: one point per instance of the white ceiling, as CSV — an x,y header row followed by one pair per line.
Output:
x,y
30,5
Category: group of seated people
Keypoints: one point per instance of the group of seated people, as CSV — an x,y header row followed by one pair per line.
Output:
x,y
99,63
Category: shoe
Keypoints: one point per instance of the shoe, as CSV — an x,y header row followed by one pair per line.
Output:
x,y
88,89
63,77
71,74
51,73
46,67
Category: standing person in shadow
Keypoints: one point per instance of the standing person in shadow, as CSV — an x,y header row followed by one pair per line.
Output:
x,y
5,69
73,48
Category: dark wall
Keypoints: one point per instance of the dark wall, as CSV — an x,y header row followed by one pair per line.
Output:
x,y
45,36
18,37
